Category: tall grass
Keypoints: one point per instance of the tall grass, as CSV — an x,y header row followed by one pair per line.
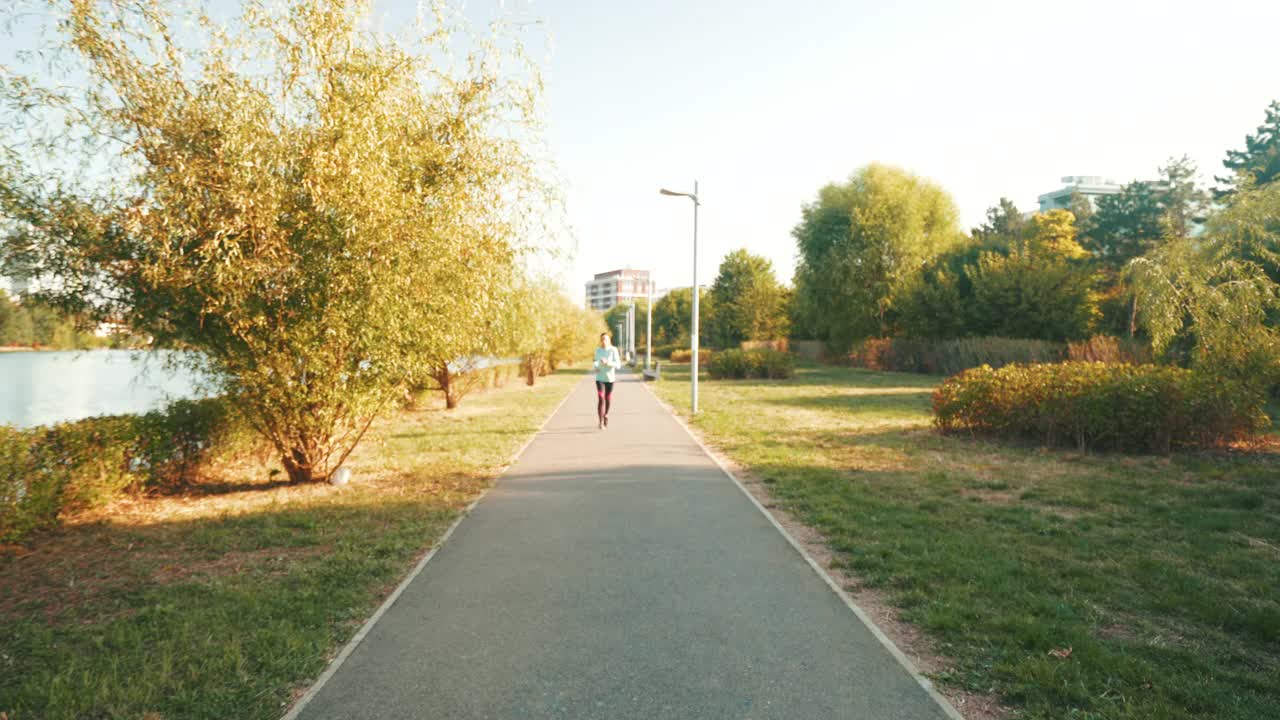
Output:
x,y
948,357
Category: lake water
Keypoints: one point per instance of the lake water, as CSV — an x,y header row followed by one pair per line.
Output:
x,y
39,388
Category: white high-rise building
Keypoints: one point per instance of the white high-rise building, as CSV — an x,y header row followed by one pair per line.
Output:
x,y
617,287
1089,187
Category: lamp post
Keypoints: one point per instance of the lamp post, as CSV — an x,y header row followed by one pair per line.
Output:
x,y
693,359
648,329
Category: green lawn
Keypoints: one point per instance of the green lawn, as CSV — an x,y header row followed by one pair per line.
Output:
x,y
1160,574
228,602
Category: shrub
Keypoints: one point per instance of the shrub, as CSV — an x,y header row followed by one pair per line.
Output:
x,y
728,364
1130,408
874,354
168,447
664,351
739,364
811,350
46,471
947,357
685,355
1109,349
783,345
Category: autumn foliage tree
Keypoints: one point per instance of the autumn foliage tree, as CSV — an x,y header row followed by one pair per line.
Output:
x,y
318,209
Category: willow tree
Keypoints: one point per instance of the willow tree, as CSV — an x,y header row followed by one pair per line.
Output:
x,y
1219,295
315,207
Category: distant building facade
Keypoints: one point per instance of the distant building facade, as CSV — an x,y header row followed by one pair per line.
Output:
x,y
1088,186
617,287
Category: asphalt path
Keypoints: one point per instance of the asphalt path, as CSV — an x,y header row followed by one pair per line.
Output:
x,y
617,574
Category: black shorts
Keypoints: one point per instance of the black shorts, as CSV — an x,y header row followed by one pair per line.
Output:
x,y
604,387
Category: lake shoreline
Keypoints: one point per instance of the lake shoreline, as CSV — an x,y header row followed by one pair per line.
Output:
x,y
46,348
47,387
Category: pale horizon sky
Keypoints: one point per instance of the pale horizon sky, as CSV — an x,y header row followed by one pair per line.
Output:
x,y
763,103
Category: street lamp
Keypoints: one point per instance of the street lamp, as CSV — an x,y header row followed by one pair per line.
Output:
x,y
693,359
648,330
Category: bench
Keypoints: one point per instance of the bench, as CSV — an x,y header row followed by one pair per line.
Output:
x,y
654,374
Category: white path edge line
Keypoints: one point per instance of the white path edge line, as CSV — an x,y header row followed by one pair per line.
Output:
x,y
359,637
888,644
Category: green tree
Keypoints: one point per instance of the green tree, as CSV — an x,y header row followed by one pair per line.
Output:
x,y
1141,218
15,323
859,241
1220,294
937,302
749,302
545,328
575,332
1183,203
1126,225
617,315
1082,209
450,361
1036,286
293,195
1043,288
673,315
1259,162
528,326
1145,214
1004,221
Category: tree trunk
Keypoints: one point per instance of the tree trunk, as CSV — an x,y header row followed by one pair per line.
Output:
x,y
529,367
298,467
1133,316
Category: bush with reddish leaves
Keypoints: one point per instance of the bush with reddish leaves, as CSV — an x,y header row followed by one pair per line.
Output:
x,y
1099,406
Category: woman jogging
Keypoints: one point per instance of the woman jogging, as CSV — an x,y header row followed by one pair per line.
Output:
x,y
607,361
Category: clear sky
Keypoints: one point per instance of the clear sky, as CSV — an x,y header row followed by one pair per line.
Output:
x,y
764,102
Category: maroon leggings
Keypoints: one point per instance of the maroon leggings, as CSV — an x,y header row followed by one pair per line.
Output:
x,y
604,393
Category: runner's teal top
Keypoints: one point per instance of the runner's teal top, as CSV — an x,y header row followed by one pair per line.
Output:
x,y
607,361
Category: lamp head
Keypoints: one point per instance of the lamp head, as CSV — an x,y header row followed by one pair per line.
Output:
x,y
673,193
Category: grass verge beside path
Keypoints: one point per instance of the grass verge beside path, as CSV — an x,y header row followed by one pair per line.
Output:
x,y
227,602
1073,586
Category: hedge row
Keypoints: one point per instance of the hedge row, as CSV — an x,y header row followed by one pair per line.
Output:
x,y
948,357
664,351
1099,406
685,355
738,364
46,471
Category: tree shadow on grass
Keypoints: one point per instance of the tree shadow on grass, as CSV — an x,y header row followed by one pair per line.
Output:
x,y
908,401
206,487
808,374
581,370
